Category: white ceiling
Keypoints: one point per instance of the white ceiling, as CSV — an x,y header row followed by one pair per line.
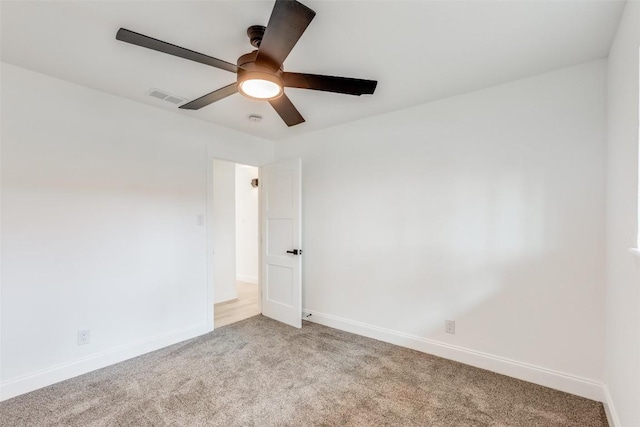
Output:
x,y
419,51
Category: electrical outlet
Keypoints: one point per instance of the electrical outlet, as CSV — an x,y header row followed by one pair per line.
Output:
x,y
84,336
450,326
200,220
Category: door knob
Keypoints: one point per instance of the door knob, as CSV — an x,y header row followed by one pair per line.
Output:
x,y
295,252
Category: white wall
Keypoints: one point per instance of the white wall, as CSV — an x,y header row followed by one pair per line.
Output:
x,y
623,271
247,238
485,208
224,230
100,199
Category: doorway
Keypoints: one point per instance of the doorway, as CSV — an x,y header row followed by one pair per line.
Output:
x,y
235,235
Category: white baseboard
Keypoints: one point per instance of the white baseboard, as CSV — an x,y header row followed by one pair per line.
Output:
x,y
225,297
247,279
45,377
609,409
524,371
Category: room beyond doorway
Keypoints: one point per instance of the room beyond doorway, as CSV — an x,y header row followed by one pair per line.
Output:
x,y
235,237
243,307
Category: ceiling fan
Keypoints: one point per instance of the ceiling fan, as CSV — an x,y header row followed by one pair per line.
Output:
x,y
260,74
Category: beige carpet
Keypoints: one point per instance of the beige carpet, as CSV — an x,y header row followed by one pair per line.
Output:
x,y
258,372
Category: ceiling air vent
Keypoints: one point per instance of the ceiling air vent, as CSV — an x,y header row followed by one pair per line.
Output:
x,y
157,93
174,99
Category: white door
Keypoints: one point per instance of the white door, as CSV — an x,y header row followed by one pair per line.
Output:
x,y
281,242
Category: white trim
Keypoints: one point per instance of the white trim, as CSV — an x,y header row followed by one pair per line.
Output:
x,y
247,279
64,371
209,285
538,375
220,298
609,409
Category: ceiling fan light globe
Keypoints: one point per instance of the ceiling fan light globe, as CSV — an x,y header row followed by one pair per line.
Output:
x,y
260,89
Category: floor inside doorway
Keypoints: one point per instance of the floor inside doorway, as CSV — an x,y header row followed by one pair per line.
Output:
x,y
245,306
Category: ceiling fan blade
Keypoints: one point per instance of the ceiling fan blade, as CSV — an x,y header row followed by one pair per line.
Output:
x,y
210,98
287,111
347,85
164,47
288,21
